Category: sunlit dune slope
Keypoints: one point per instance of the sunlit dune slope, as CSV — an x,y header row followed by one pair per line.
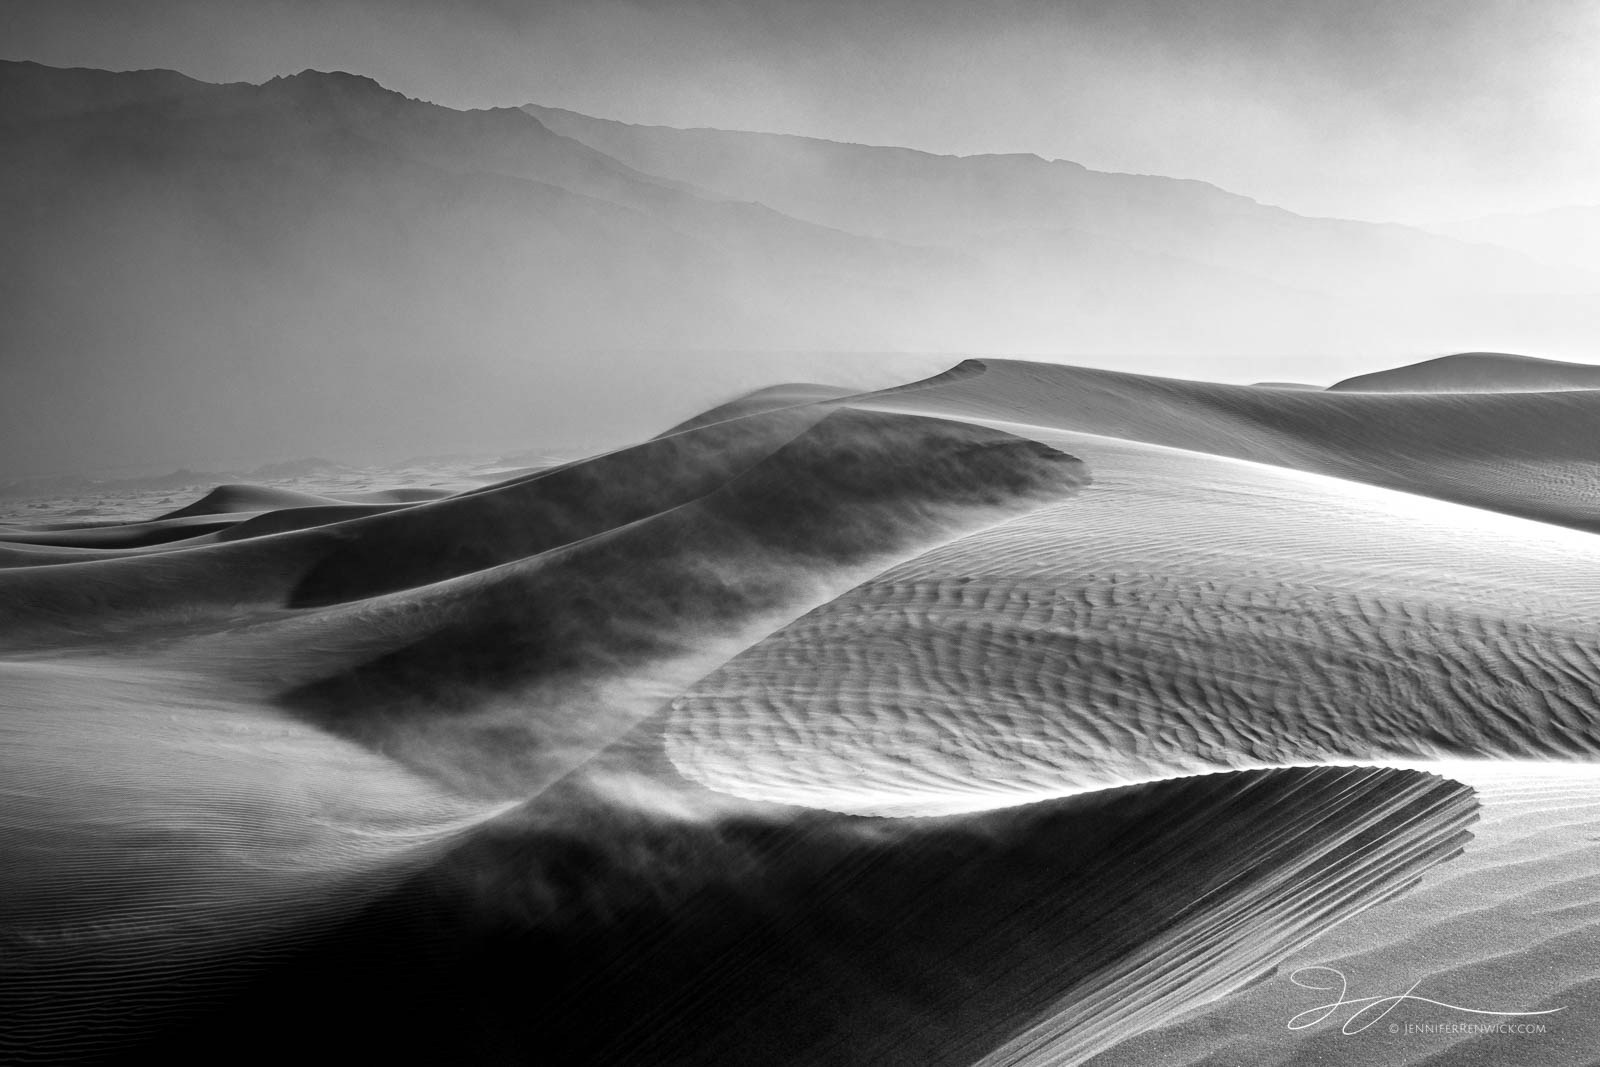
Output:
x,y
1186,613
1532,454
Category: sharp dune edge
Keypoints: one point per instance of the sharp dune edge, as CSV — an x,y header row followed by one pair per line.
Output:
x,y
1028,714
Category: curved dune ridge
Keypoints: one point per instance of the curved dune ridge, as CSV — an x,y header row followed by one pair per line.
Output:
x,y
229,512
1296,619
714,933
1026,714
1506,926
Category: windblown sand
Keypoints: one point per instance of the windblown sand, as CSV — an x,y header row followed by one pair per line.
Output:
x,y
1026,715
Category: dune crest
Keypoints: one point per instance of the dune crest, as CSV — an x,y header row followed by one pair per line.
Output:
x,y
1476,372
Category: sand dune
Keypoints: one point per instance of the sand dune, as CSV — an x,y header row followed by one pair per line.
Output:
x,y
1028,714
1528,454
527,653
1508,925
382,553
121,535
1477,372
229,499
1084,645
282,510
770,935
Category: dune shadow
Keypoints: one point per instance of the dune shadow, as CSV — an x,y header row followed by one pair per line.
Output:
x,y
581,930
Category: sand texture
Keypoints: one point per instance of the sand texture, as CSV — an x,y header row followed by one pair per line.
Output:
x,y
1027,714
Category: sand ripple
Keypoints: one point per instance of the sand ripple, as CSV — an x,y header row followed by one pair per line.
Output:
x,y
592,765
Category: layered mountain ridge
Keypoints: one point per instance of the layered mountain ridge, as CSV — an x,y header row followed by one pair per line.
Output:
x,y
318,262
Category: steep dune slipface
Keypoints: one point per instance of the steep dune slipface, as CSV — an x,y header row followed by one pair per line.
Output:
x,y
591,765
1508,926
691,930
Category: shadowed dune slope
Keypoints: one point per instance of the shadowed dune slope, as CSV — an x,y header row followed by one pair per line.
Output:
x,y
379,553
121,536
785,936
852,494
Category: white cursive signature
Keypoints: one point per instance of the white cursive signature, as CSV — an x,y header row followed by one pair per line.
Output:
x,y
1371,1005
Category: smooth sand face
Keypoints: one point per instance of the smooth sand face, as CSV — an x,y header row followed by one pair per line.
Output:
x,y
1477,372
1166,688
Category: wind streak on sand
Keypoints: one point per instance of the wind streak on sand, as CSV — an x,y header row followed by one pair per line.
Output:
x,y
709,931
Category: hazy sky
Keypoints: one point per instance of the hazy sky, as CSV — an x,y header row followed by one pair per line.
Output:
x,y
1412,110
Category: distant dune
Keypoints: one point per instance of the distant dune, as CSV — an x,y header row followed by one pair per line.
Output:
x,y
1477,372
1026,714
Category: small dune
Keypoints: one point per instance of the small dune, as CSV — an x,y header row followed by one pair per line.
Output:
x,y
230,499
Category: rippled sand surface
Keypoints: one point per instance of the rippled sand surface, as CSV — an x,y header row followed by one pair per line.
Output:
x,y
1028,714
